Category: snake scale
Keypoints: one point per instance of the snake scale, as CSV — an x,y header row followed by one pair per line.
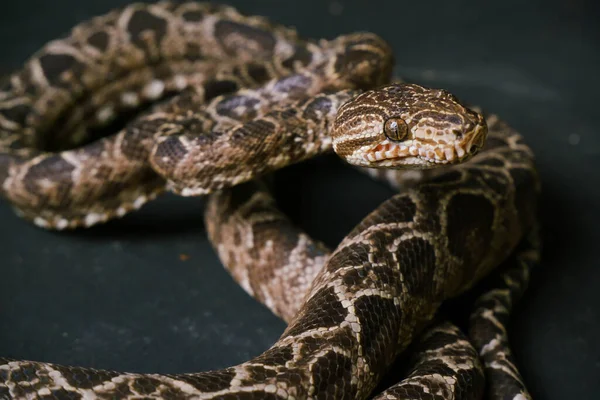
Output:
x,y
216,100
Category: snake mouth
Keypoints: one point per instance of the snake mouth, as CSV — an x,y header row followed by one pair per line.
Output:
x,y
387,150
389,153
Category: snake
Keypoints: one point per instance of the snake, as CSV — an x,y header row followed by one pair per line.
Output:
x,y
216,101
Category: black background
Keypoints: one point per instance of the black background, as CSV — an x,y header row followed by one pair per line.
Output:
x,y
119,297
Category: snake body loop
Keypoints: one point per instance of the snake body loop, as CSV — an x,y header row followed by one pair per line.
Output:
x,y
226,99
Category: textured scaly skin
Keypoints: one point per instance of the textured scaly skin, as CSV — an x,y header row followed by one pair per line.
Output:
x,y
382,284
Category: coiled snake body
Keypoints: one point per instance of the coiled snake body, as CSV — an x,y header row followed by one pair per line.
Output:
x,y
252,98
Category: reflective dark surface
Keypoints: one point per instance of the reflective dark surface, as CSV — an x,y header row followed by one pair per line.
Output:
x,y
148,294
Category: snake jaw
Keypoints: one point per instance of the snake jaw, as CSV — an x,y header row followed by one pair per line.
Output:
x,y
390,151
415,152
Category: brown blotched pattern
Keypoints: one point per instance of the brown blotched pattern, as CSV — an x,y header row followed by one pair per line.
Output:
x,y
488,325
273,260
125,60
276,263
354,310
445,366
370,297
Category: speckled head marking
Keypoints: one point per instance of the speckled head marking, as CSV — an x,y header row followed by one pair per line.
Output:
x,y
406,125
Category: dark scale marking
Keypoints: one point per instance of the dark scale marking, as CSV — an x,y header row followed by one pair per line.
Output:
x,y
245,136
54,168
193,16
238,38
382,240
287,113
216,88
288,236
162,71
19,392
56,65
237,238
327,312
21,375
193,51
294,86
236,106
302,56
411,391
146,385
147,178
417,261
356,60
401,209
132,144
490,302
504,388
104,173
211,381
385,276
143,22
259,373
26,76
469,229
84,378
93,150
258,72
61,394
436,367
100,40
171,149
354,277
6,85
496,182
309,346
330,372
276,356
317,108
376,334
4,374
291,376
17,113
354,255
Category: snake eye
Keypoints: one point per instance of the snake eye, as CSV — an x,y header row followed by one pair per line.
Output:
x,y
395,129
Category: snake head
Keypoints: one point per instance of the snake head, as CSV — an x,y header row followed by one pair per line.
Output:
x,y
407,126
